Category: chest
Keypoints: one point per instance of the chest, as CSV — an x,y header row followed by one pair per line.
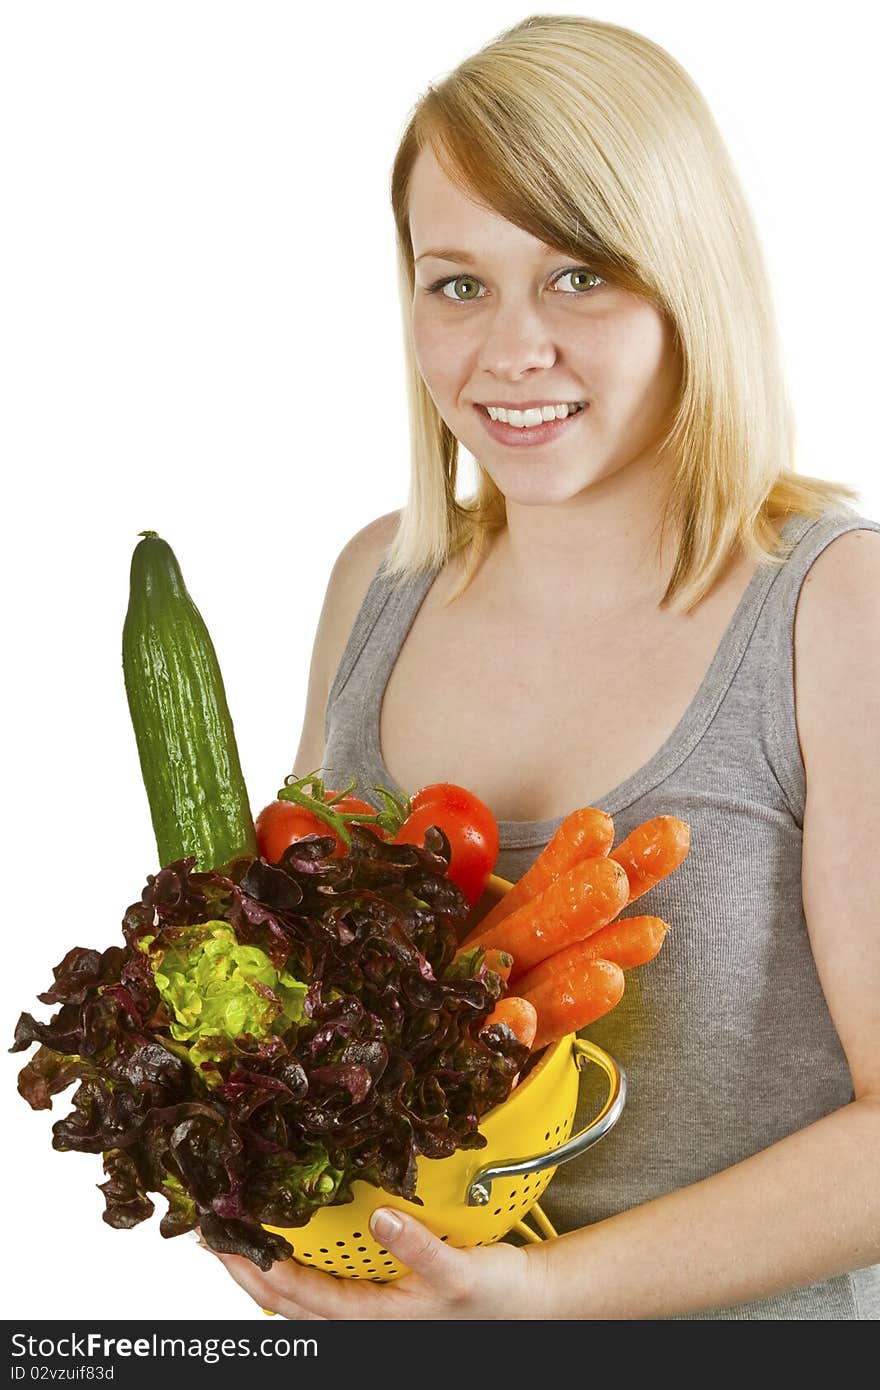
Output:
x,y
538,719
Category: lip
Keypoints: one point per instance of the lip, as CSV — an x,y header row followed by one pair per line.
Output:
x,y
538,434
528,405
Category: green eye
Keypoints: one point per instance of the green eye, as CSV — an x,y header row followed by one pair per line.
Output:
x,y
583,272
460,280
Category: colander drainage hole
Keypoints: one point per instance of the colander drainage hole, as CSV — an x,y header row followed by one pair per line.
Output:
x,y
390,1263
547,1136
357,1235
328,1262
444,1237
497,1211
307,1254
324,1250
340,1242
362,1250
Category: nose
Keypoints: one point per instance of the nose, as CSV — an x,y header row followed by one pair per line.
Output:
x,y
516,339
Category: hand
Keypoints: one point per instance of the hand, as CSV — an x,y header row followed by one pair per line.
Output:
x,y
488,1281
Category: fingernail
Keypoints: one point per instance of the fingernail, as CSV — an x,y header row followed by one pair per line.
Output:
x,y
385,1224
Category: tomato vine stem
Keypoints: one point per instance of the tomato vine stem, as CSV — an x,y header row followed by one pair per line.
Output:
x,y
395,809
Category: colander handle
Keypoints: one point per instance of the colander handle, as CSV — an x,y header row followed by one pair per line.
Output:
x,y
480,1189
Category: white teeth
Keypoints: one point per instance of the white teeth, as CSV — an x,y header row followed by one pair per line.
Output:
x,y
537,415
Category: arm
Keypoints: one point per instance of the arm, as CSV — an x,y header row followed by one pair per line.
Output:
x,y
349,580
808,1207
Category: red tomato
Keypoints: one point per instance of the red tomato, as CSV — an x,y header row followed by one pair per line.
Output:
x,y
468,825
282,822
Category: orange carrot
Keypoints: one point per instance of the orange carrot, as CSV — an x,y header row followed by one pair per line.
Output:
x,y
519,1015
499,961
651,852
574,906
585,834
627,942
568,997
493,959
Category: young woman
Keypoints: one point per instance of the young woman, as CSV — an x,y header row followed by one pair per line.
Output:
x,y
643,608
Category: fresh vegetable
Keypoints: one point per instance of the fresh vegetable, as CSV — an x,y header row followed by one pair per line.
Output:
x,y
567,994
281,823
519,1015
651,852
362,1041
585,834
185,738
213,988
499,961
333,813
628,942
574,906
465,820
468,825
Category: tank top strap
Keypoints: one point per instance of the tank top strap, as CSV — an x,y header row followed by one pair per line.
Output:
x,y
384,618
767,674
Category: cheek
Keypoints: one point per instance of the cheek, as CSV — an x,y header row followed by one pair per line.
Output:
x,y
440,353
606,350
633,356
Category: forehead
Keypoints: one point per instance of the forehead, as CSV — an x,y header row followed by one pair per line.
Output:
x,y
442,214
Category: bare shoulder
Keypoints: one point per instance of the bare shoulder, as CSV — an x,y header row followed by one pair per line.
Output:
x,y
369,543
837,635
837,692
841,585
848,563
355,565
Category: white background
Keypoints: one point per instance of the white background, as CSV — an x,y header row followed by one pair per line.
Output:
x,y
201,336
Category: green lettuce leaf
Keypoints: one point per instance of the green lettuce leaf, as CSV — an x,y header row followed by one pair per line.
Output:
x,y
215,988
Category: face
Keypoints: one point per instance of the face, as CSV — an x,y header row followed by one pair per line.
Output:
x,y
517,322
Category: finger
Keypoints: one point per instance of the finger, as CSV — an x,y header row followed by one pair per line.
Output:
x,y
310,1291
418,1248
263,1288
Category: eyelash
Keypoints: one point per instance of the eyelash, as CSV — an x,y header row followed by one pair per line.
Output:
x,y
439,285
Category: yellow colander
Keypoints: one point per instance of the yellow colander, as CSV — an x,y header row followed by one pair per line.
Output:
x,y
476,1196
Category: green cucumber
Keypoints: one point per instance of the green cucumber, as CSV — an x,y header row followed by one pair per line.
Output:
x,y
185,739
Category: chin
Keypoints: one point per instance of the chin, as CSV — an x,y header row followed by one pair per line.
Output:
x,y
538,487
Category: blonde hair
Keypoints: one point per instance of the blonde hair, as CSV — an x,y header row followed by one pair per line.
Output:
x,y
593,139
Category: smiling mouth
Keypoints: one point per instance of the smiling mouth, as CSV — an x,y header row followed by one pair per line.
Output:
x,y
522,409
541,433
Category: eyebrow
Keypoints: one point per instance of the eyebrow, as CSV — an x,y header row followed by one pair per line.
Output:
x,y
466,256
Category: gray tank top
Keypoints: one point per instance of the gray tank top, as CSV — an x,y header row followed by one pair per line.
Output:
x,y
725,1036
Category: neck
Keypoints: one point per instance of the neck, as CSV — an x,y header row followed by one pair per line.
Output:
x,y
595,552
